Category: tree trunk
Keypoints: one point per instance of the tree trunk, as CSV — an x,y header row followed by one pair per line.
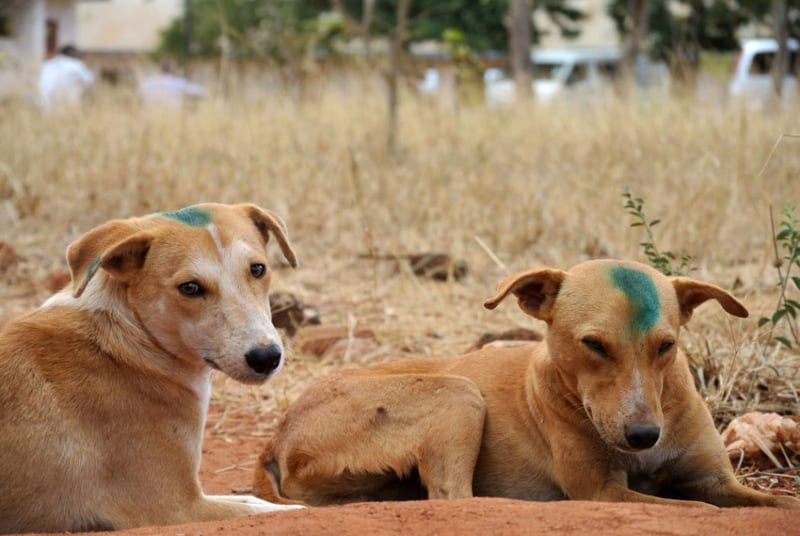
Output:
x,y
366,24
637,29
519,45
781,63
395,53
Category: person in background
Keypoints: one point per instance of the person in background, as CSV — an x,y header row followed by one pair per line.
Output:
x,y
63,80
168,89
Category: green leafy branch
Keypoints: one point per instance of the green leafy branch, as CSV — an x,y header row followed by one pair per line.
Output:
x,y
787,239
661,261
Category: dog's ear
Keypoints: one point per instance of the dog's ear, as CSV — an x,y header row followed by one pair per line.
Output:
x,y
692,293
536,291
267,221
117,247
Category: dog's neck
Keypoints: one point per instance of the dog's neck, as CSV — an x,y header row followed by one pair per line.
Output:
x,y
119,330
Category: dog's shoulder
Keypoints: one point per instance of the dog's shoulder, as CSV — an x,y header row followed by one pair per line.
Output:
x,y
51,325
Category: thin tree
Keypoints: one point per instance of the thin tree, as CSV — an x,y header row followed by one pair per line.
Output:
x,y
518,23
781,29
637,29
398,38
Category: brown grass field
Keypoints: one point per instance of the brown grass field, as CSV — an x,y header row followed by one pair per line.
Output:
x,y
503,190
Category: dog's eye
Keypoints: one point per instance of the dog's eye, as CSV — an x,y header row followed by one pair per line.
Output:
x,y
258,270
665,347
191,289
595,346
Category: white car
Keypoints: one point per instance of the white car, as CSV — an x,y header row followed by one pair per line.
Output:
x,y
751,84
587,71
582,73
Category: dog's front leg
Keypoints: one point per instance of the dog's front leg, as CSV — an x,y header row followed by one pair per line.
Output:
x,y
585,472
614,490
732,493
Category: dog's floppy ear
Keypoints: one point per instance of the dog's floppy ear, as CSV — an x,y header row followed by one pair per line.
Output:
x,y
535,290
117,247
267,221
692,293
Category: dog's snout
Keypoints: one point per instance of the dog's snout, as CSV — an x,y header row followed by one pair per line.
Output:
x,y
641,437
264,359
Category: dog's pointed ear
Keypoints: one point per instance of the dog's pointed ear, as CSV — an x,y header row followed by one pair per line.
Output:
x,y
692,293
267,221
117,247
536,291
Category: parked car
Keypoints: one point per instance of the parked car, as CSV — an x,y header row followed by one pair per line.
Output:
x,y
575,73
586,71
751,83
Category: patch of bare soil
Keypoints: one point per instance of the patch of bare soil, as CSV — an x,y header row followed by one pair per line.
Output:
x,y
503,516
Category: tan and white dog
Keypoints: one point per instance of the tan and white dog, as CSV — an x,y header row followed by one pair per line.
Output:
x,y
604,410
104,389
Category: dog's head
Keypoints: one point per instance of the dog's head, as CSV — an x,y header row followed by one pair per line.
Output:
x,y
195,280
612,334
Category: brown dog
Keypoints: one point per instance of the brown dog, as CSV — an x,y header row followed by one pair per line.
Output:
x,y
104,389
604,410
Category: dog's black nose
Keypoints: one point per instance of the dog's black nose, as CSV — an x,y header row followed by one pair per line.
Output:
x,y
642,437
264,359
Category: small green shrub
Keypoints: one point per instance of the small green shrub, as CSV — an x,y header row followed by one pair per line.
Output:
x,y
787,252
665,261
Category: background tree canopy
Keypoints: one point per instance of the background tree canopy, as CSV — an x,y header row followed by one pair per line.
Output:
x,y
277,28
708,25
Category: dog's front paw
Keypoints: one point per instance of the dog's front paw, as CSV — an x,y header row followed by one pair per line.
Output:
x,y
256,505
261,506
785,502
272,507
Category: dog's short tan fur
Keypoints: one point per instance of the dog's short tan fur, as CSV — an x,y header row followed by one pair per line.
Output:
x,y
604,410
104,389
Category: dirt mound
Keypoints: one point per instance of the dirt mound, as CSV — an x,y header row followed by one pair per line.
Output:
x,y
503,516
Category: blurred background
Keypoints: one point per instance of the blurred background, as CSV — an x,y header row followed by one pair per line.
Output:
x,y
456,51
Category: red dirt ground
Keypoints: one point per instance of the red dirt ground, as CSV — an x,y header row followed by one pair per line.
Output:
x,y
228,462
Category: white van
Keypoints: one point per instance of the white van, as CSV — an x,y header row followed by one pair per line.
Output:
x,y
751,83
579,73
586,72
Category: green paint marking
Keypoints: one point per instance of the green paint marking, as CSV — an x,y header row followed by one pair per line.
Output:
x,y
192,216
93,268
643,296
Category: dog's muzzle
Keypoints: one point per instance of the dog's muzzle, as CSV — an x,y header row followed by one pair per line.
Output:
x,y
640,437
264,359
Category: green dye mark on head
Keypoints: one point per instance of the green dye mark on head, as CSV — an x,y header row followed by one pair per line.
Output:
x,y
193,216
642,295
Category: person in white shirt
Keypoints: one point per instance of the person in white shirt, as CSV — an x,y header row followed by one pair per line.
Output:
x,y
63,80
168,89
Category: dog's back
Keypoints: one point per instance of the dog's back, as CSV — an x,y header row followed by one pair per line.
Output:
x,y
36,408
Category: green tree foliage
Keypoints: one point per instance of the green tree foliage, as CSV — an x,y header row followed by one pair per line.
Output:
x,y
480,21
276,28
710,25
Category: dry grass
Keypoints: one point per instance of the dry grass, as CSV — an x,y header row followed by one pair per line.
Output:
x,y
535,186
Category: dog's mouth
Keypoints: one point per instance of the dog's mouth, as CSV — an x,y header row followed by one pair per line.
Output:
x,y
211,363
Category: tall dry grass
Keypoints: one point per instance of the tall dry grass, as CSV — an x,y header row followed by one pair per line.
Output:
x,y
536,186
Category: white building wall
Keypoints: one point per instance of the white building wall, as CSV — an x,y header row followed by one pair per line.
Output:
x,y
597,28
125,25
64,11
22,53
